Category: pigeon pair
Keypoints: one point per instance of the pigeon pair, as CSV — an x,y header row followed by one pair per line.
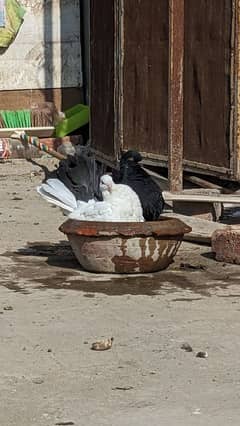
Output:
x,y
120,203
84,193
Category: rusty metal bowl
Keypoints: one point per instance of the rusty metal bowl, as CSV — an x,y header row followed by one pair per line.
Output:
x,y
124,247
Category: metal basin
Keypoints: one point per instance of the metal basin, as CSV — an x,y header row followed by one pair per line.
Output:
x,y
124,247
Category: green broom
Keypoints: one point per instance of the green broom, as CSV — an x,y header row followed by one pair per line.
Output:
x,y
16,119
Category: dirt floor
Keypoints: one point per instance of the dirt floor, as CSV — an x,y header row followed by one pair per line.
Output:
x,y
51,311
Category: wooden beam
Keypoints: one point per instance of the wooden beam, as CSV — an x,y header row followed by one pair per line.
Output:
x,y
206,184
175,113
183,196
235,91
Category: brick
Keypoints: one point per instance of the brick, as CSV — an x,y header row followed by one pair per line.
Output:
x,y
56,142
226,244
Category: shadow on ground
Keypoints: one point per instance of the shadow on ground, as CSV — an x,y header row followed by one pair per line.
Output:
x,y
44,265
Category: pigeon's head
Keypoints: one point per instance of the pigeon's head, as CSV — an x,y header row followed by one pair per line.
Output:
x,y
133,156
106,183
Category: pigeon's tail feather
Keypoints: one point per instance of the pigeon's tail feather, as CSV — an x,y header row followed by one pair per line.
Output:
x,y
81,174
55,192
50,199
60,191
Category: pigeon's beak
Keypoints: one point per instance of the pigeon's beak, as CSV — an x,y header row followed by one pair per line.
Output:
x,y
104,187
109,187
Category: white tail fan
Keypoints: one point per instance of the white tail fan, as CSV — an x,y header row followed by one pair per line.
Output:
x,y
61,192
55,192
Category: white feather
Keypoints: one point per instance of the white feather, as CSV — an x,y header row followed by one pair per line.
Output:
x,y
52,200
55,192
125,203
93,211
56,188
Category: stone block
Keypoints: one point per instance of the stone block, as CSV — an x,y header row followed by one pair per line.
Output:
x,y
226,244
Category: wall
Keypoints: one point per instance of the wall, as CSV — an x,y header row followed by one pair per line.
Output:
x,y
46,53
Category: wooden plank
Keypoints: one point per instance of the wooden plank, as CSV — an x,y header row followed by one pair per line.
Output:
x,y
40,132
23,99
145,76
221,198
119,50
236,90
202,230
160,180
206,184
175,114
207,69
102,63
190,166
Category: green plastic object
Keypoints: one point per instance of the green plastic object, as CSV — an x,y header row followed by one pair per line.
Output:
x,y
76,117
16,119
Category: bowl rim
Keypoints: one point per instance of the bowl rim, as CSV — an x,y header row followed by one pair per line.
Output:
x,y
164,227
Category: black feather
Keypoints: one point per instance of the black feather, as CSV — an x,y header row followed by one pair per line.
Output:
x,y
132,156
132,174
81,174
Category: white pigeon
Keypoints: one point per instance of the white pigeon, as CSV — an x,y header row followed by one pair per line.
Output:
x,y
120,203
125,203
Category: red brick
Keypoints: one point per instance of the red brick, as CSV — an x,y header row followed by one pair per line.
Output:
x,y
226,244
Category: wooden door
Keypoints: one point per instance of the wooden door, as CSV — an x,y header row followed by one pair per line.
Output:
x,y
145,76
130,81
129,76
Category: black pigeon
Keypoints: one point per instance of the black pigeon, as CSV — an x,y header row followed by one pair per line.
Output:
x,y
132,174
81,174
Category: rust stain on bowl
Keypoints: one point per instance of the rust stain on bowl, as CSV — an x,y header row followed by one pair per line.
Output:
x,y
123,247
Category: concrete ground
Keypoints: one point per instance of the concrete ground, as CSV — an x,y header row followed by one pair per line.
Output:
x,y
51,311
